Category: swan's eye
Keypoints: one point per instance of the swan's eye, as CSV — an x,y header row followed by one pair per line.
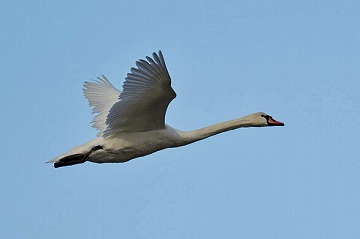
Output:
x,y
266,116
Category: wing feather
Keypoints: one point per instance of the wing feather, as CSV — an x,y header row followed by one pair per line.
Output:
x,y
101,95
146,95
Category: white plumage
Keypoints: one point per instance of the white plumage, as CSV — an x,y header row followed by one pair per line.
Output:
x,y
131,123
102,95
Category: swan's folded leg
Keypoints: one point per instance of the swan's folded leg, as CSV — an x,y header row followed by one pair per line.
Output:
x,y
75,158
70,160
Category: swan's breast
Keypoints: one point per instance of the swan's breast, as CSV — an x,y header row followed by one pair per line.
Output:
x,y
132,145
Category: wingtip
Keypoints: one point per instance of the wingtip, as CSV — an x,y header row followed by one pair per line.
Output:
x,y
159,53
155,56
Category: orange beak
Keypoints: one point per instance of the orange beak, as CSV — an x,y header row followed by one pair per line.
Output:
x,y
272,122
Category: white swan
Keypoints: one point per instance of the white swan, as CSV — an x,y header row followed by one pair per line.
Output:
x,y
131,123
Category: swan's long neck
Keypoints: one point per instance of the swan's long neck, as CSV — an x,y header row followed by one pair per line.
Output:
x,y
203,133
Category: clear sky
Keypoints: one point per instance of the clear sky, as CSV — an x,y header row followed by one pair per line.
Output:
x,y
298,61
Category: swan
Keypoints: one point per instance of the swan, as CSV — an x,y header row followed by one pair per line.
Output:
x,y
131,123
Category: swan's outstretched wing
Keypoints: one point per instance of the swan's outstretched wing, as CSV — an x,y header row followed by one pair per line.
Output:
x,y
101,95
146,95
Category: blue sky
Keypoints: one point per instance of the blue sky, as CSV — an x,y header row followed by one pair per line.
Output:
x,y
296,60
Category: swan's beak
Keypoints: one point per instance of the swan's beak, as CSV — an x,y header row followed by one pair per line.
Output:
x,y
272,122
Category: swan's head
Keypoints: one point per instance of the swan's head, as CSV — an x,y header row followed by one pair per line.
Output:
x,y
262,119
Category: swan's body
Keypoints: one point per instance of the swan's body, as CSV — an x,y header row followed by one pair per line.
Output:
x,y
131,123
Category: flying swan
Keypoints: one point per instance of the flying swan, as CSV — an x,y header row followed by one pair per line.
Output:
x,y
131,123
